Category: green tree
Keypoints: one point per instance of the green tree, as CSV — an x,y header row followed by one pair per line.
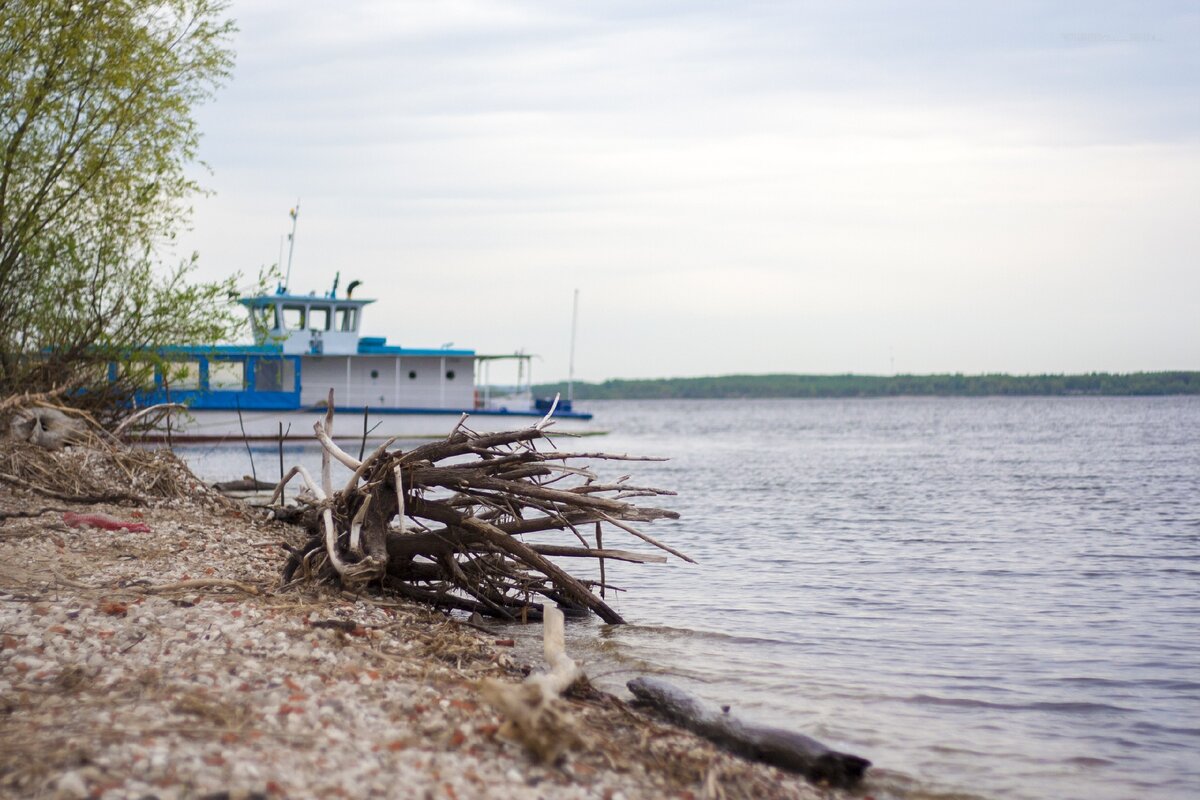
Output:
x,y
96,139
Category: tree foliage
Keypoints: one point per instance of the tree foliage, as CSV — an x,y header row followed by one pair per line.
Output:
x,y
96,137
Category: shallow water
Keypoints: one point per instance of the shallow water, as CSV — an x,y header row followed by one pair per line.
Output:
x,y
992,597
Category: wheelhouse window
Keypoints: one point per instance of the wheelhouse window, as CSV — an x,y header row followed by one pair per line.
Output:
x,y
228,375
318,318
293,317
347,318
265,318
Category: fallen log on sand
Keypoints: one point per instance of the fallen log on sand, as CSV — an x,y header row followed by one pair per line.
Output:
x,y
442,523
785,749
243,484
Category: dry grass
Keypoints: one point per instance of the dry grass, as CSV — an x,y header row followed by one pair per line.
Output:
x,y
95,470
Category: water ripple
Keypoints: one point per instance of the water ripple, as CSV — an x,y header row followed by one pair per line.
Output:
x,y
989,597
1074,708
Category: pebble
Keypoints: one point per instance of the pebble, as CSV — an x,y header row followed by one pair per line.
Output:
x,y
70,786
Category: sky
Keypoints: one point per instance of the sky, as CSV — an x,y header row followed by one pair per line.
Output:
x,y
747,187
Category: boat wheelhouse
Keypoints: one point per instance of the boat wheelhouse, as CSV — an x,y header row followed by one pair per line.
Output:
x,y
305,345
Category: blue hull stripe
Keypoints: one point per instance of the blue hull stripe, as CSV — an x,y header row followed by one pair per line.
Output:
x,y
474,412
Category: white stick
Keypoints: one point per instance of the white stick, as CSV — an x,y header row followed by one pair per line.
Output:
x,y
326,477
331,449
546,419
132,418
400,495
533,713
356,527
331,542
563,671
458,424
278,494
326,514
308,481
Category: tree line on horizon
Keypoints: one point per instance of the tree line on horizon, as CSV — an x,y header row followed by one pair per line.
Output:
x,y
849,385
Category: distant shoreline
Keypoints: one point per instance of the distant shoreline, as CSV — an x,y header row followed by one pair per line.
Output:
x,y
946,385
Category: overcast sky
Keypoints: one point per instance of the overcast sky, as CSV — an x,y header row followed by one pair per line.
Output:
x,y
732,187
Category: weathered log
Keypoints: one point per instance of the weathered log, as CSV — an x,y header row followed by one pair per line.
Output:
x,y
785,749
244,484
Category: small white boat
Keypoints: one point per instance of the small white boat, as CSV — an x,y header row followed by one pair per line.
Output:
x,y
305,345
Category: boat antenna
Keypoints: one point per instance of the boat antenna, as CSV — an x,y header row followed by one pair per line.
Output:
x,y
294,213
571,367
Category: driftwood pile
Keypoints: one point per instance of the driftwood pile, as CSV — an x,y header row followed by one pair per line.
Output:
x,y
443,523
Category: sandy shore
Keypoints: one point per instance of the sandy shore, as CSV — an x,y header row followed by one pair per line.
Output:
x,y
167,664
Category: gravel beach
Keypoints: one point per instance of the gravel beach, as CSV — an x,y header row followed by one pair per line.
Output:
x,y
169,664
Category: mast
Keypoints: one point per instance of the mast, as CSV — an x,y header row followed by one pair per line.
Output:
x,y
294,213
571,365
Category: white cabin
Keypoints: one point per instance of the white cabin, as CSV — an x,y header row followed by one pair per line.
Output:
x,y
306,324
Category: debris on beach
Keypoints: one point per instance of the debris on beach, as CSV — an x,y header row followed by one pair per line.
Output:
x,y
92,466
463,504
105,522
533,713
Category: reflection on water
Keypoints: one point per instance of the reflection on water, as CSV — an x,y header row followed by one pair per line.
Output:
x,y
984,596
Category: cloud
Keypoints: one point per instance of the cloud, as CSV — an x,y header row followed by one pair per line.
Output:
x,y
767,187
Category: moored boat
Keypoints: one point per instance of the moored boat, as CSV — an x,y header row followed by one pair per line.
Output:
x,y
305,345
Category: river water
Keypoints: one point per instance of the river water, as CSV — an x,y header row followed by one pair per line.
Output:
x,y
992,597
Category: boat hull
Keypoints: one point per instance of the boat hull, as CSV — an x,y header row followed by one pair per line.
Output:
x,y
220,425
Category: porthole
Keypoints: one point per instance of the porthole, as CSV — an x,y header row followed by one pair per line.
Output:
x,y
449,374
374,373
412,376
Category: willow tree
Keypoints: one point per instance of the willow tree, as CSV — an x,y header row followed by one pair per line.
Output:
x,y
98,141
